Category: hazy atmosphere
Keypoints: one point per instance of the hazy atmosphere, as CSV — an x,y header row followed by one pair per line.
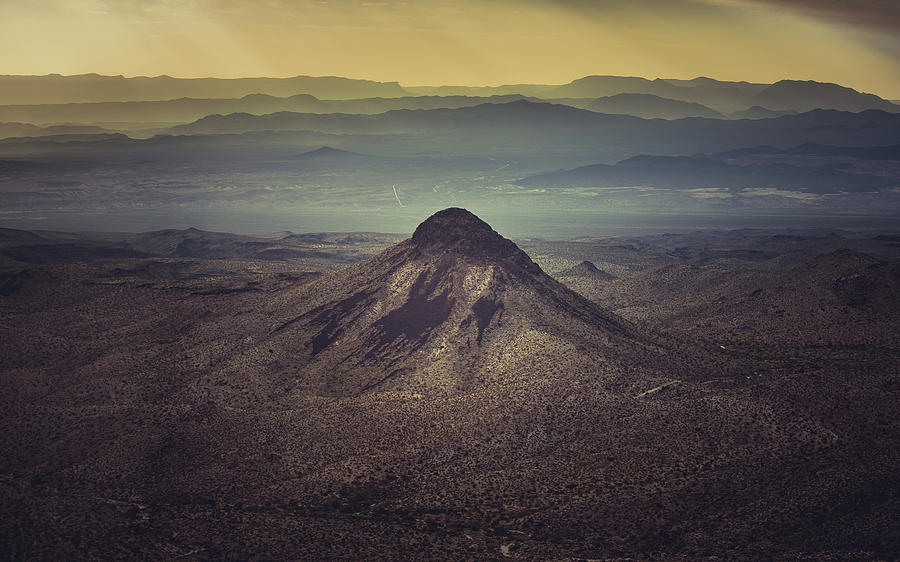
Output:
x,y
449,279
459,41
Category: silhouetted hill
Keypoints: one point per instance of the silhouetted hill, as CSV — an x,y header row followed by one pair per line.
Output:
x,y
813,149
798,95
759,112
49,141
196,243
603,86
133,113
19,247
555,121
687,172
513,114
716,94
536,90
539,126
721,95
12,130
728,97
648,106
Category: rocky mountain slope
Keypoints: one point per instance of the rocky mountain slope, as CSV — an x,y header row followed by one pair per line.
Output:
x,y
457,307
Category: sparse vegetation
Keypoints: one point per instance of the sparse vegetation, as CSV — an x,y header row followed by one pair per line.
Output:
x,y
168,406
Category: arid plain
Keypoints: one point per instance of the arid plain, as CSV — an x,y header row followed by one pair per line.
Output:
x,y
193,394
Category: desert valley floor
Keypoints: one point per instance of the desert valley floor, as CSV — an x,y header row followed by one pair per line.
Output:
x,y
198,395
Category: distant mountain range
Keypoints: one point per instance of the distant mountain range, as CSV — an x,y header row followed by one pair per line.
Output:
x,y
92,98
721,96
308,143
538,125
54,88
168,112
151,115
148,117
729,97
542,131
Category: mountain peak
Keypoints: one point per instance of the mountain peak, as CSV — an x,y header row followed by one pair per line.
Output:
x,y
328,151
460,231
587,269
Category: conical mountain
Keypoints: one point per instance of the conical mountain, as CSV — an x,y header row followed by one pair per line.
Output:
x,y
588,270
455,306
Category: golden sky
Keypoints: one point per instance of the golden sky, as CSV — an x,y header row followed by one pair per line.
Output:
x,y
419,42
